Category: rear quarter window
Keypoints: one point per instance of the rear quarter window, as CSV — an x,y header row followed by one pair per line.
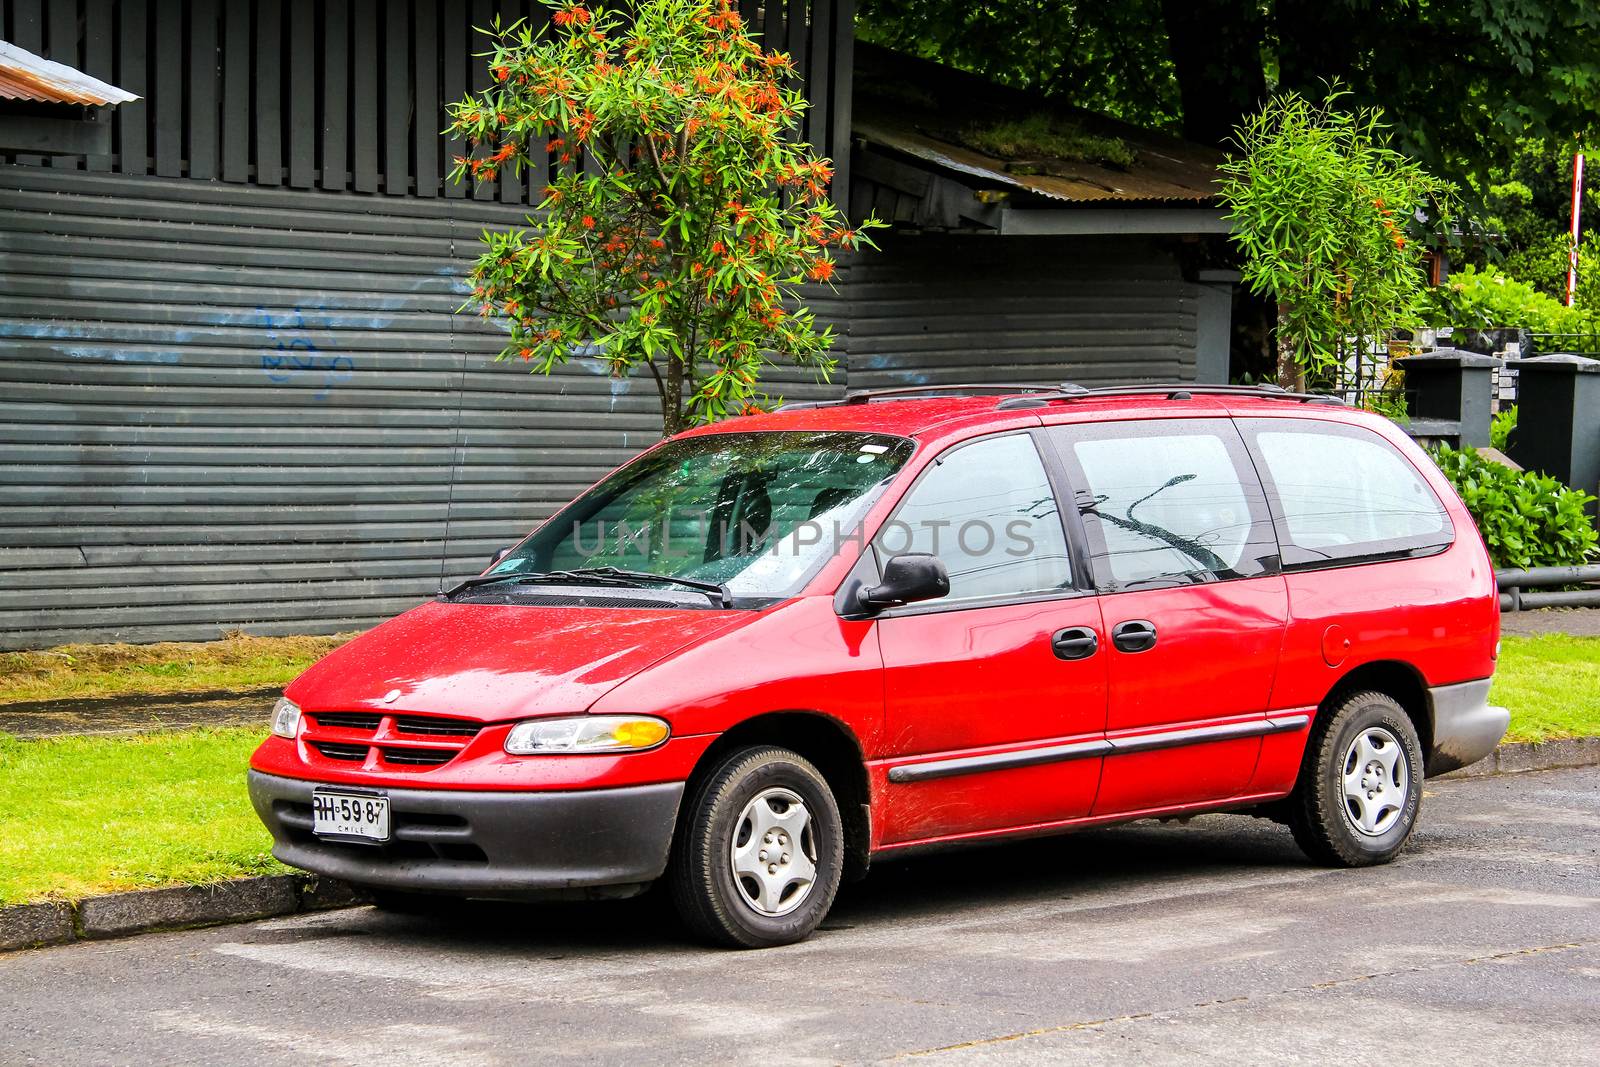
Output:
x,y
1342,494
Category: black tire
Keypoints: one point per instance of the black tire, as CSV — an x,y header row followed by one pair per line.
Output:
x,y
701,878
1323,820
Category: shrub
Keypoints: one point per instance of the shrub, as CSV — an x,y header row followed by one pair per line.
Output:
x,y
1543,265
1500,428
1487,299
1526,518
1389,402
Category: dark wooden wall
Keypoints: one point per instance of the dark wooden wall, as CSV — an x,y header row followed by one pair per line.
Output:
x,y
339,95
936,309
223,406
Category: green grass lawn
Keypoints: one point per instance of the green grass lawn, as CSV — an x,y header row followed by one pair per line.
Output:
x,y
1551,683
95,814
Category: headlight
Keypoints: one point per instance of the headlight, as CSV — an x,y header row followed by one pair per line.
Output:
x,y
286,718
586,733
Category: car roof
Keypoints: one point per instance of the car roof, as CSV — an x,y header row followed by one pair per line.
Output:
x,y
929,418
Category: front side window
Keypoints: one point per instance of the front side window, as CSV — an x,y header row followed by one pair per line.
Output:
x,y
759,512
987,510
1343,493
1168,502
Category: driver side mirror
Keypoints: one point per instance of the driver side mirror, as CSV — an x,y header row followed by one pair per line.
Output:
x,y
907,579
500,555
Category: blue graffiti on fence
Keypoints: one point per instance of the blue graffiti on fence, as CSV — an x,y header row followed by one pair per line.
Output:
x,y
294,357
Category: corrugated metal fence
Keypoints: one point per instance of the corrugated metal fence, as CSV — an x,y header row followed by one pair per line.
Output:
x,y
224,406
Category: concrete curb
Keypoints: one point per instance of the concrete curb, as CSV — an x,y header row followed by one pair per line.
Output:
x,y
244,899
1515,757
177,908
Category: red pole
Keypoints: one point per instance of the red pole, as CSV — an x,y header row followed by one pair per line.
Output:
x,y
1577,207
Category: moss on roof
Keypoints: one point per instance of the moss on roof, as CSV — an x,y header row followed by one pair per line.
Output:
x,y
1043,136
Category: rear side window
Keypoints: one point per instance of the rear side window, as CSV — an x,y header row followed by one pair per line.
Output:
x,y
1344,494
1168,502
987,510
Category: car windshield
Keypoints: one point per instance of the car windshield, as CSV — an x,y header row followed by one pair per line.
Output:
x,y
756,512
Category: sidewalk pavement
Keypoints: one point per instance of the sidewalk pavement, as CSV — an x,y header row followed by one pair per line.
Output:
x,y
137,713
1576,622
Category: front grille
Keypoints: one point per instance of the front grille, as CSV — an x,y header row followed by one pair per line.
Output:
x,y
348,720
418,757
403,742
435,726
347,753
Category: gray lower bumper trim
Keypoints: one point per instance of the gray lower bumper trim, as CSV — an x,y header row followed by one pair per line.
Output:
x,y
1466,727
504,844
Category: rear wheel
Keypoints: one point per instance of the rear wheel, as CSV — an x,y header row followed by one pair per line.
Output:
x,y
760,851
1360,787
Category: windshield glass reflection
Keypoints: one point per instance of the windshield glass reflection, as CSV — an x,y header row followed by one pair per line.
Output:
x,y
758,512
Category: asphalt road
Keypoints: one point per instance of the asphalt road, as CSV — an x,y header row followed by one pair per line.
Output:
x,y
1210,942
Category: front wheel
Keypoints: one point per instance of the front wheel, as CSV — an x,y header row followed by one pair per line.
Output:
x,y
760,850
1360,787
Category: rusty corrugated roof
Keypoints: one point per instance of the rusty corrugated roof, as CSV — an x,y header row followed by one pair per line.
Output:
x,y
25,76
919,109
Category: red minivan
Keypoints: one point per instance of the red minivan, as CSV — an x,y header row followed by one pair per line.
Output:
x,y
768,652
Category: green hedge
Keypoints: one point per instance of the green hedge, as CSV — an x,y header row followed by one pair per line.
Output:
x,y
1490,299
1527,519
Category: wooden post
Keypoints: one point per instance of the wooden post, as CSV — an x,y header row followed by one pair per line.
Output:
x,y
204,20
335,95
236,48
1577,211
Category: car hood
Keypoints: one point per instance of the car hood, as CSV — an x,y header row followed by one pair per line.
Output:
x,y
493,662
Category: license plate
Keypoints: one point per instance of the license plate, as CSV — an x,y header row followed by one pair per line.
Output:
x,y
350,815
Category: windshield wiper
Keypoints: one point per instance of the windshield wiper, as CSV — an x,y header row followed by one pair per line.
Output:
x,y
589,576
616,573
525,578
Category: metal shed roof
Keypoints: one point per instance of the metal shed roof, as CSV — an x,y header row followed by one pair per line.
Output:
x,y
25,76
918,109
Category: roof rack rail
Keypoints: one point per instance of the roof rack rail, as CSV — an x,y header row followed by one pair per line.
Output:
x,y
907,392
1034,394
866,396
1185,390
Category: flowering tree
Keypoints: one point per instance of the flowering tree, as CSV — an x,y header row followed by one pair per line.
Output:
x,y
686,210
1330,220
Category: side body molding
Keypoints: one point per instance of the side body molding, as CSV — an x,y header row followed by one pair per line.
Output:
x,y
997,761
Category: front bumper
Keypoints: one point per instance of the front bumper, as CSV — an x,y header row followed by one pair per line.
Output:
x,y
1466,727
488,844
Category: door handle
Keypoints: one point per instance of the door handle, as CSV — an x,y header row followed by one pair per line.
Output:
x,y
1075,642
1135,635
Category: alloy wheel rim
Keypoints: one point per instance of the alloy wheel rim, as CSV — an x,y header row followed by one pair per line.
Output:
x,y
1376,780
773,854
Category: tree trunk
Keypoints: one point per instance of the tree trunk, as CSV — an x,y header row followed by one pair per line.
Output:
x,y
672,401
1291,375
